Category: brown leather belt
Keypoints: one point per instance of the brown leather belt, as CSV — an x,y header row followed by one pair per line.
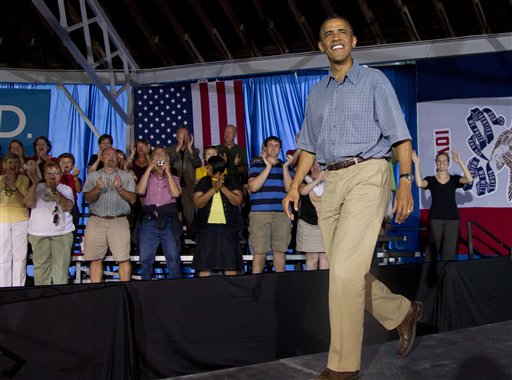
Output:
x,y
110,217
346,163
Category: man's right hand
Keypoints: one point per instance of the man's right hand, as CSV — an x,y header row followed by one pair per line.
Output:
x,y
179,145
266,159
100,183
291,197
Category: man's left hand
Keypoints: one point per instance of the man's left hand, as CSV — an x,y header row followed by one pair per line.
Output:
x,y
404,204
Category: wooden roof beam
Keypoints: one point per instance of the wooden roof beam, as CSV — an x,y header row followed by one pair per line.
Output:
x,y
240,28
184,39
146,30
443,18
407,19
372,23
214,34
480,16
274,32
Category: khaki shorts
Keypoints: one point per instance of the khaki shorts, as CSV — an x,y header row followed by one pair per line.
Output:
x,y
269,231
104,234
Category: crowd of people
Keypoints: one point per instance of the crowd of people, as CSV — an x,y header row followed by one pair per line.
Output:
x,y
147,199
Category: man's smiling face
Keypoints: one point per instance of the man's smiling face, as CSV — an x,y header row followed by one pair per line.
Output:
x,y
337,40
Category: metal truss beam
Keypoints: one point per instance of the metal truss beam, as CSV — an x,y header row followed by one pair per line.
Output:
x,y
87,61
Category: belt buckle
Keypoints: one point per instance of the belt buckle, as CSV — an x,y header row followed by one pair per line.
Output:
x,y
347,162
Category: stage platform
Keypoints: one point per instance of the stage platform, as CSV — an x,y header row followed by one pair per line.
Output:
x,y
476,353
169,328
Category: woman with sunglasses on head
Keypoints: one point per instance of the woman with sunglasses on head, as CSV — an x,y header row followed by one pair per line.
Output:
x,y
51,225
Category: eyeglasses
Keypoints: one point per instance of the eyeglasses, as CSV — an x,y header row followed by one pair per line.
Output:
x,y
55,214
53,173
41,144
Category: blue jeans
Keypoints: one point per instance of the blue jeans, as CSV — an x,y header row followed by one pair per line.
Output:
x,y
149,238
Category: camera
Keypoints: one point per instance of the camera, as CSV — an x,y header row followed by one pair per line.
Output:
x,y
160,162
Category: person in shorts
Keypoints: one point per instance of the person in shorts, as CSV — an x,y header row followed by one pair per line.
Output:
x,y
109,191
269,227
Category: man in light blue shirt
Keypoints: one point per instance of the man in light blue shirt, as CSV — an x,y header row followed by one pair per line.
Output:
x,y
353,124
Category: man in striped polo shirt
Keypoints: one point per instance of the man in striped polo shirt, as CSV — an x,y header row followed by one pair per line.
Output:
x,y
269,227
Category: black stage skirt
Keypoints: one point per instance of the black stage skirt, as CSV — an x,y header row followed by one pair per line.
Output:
x,y
217,249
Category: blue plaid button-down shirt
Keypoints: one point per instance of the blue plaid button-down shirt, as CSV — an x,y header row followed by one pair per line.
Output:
x,y
359,116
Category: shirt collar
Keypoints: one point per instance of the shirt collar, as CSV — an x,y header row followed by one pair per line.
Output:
x,y
116,171
352,75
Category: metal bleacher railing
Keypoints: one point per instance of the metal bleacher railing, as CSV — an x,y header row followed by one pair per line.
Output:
x,y
296,259
471,247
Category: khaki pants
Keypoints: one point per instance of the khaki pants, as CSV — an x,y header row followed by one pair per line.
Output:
x,y
352,212
51,256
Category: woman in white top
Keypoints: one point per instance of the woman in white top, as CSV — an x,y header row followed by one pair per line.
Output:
x,y
51,225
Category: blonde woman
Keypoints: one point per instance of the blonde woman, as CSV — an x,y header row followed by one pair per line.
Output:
x,y
13,223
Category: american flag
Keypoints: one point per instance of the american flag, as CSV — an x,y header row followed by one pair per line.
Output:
x,y
204,108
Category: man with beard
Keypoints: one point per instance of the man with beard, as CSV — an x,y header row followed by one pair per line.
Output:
x,y
109,192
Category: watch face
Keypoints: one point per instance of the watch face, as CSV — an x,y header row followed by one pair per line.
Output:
x,y
409,177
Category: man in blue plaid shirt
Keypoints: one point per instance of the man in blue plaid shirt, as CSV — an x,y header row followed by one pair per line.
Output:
x,y
353,123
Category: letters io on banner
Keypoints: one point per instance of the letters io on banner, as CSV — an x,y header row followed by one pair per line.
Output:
x,y
442,141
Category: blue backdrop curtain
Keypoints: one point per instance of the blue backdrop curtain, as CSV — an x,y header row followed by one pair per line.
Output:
x,y
67,131
274,105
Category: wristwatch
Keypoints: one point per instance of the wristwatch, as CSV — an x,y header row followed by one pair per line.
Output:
x,y
407,176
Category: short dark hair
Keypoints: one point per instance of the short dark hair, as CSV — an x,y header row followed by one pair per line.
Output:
x,y
334,17
208,147
217,163
45,139
106,136
67,155
273,138
122,152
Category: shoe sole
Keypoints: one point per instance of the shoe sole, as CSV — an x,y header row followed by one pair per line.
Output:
x,y
419,313
326,377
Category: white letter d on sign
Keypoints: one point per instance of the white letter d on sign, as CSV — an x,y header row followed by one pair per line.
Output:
x,y
22,121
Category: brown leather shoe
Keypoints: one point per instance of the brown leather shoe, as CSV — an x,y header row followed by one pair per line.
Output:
x,y
407,329
335,375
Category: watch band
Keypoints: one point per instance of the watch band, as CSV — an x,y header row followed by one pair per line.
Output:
x,y
407,176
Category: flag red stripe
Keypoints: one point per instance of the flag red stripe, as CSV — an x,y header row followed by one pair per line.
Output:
x,y
205,113
239,107
222,108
